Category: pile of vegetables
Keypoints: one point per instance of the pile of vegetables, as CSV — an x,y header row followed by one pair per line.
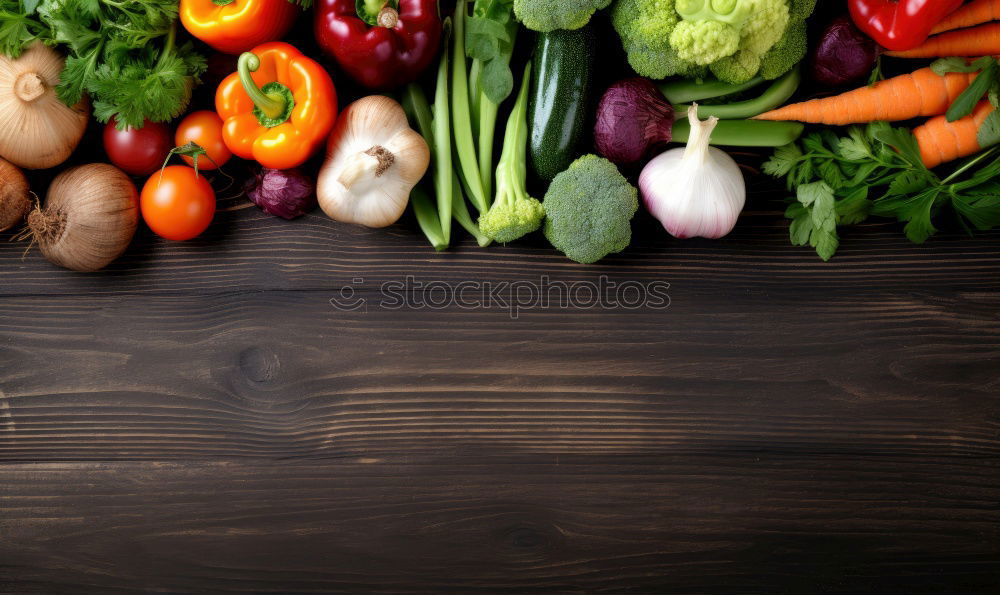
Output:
x,y
499,116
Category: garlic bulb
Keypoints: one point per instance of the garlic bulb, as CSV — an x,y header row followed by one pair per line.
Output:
x,y
37,130
697,191
374,159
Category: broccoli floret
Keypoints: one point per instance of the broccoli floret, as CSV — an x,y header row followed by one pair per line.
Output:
x,y
589,209
513,213
738,68
790,51
800,10
794,46
549,15
645,27
704,42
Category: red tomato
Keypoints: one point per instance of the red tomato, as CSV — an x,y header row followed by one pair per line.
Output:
x,y
137,151
205,129
177,204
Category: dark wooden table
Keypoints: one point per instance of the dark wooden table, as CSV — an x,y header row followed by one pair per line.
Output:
x,y
201,417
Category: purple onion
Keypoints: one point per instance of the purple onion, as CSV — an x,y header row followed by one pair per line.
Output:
x,y
287,193
633,118
844,54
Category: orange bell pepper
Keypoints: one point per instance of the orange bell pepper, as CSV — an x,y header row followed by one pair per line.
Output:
x,y
278,108
236,26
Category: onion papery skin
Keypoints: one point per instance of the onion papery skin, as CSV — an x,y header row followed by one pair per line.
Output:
x,y
633,119
89,218
15,200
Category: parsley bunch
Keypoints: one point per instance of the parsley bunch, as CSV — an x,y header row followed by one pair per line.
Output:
x,y
124,54
876,171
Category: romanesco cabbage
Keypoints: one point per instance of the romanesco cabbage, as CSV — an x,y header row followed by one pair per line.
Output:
x,y
735,39
704,42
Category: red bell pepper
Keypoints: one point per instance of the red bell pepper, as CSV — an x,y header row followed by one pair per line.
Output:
x,y
382,44
901,25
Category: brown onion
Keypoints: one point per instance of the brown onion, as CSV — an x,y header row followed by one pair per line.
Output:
x,y
15,201
39,131
89,218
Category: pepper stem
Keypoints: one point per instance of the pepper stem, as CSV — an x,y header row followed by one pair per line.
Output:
x,y
274,102
378,13
388,17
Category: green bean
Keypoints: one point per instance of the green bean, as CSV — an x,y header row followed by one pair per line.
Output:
x,y
687,90
775,96
443,181
466,147
744,133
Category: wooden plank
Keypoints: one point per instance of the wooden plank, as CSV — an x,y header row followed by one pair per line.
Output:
x,y
741,523
249,250
284,374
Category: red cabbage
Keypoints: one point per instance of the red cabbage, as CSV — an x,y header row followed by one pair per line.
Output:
x,y
284,193
633,118
844,54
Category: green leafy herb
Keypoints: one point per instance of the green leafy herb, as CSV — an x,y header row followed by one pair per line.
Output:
x,y
490,36
989,132
966,102
123,54
876,171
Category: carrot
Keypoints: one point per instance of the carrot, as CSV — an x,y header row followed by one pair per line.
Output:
x,y
983,40
970,15
942,141
921,93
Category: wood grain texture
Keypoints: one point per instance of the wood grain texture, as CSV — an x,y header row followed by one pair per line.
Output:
x,y
201,418
690,524
284,374
246,250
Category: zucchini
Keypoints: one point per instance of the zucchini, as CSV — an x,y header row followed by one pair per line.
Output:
x,y
561,78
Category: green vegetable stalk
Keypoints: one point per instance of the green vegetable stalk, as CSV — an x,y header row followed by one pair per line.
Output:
x,y
514,213
775,96
744,133
490,37
465,146
434,215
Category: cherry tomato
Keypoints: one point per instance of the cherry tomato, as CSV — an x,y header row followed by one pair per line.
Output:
x,y
176,203
205,129
137,151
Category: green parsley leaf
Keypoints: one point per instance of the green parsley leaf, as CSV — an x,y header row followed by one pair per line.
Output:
x,y
819,200
969,99
783,160
855,146
919,212
908,182
903,141
855,208
982,211
989,131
